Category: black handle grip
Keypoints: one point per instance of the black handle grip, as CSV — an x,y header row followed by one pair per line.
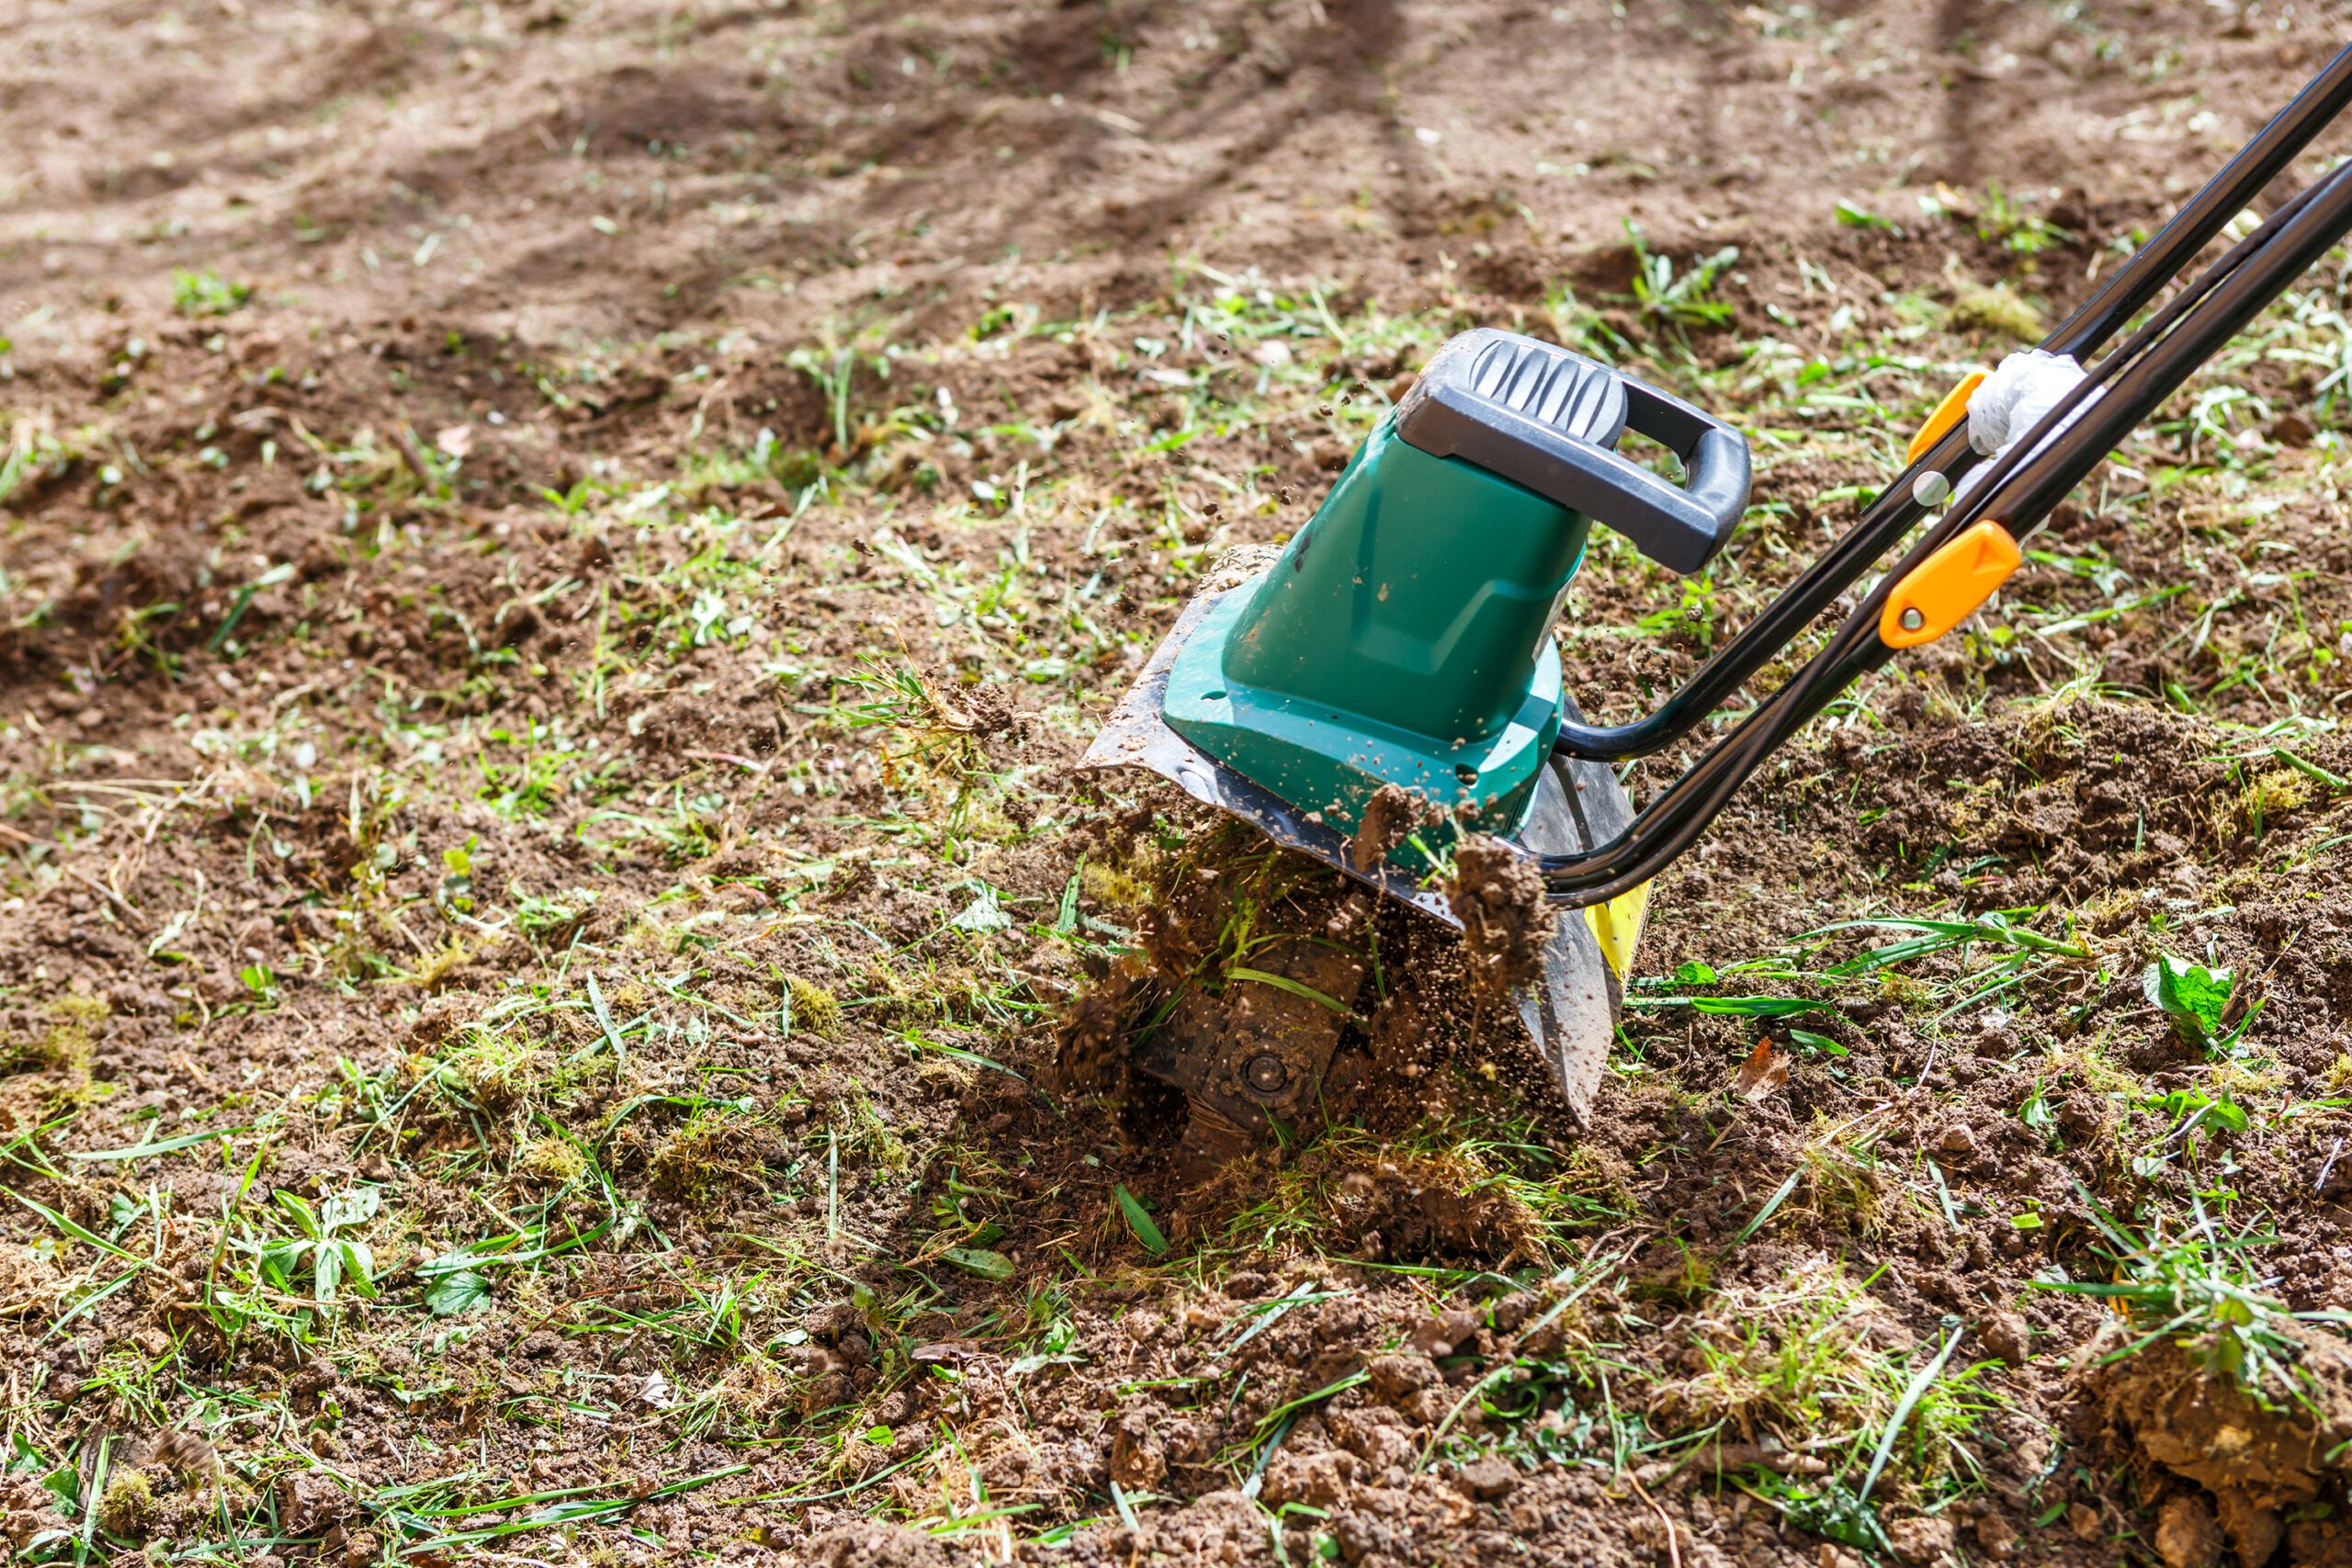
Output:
x,y
1543,417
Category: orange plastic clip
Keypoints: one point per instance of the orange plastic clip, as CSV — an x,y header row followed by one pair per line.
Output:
x,y
1947,413
1945,589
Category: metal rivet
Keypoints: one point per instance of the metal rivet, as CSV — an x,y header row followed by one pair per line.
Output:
x,y
1912,619
1266,1073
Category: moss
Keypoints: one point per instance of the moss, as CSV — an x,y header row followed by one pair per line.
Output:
x,y
64,1045
1997,312
718,1150
551,1160
2282,791
128,1503
495,1071
1115,889
813,1007
436,968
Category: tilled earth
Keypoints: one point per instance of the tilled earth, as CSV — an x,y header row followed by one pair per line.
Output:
x,y
560,999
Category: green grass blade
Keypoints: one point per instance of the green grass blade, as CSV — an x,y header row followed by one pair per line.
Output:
x,y
1772,1205
169,1145
1138,1220
1285,983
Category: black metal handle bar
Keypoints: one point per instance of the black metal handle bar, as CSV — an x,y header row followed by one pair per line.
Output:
x,y
2025,485
1897,512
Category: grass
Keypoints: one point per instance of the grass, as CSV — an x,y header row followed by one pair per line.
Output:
x,y
2197,1287
692,954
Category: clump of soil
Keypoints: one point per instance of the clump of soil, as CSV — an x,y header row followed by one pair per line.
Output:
x,y
1389,818
1498,895
2261,1464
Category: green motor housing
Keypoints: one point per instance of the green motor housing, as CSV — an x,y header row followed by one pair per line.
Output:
x,y
1403,635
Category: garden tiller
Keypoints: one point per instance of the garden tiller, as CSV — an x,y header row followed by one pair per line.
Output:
x,y
1403,636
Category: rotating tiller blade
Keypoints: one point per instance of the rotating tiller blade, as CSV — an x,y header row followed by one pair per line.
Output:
x,y
1403,638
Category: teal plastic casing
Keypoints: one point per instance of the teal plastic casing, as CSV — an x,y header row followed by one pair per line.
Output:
x,y
1402,636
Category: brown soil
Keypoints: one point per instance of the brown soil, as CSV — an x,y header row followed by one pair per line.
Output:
x,y
2265,1462
446,749
1498,895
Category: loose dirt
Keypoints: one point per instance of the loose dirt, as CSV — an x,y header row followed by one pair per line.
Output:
x,y
559,996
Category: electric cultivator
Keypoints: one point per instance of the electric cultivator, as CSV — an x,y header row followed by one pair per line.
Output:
x,y
1394,663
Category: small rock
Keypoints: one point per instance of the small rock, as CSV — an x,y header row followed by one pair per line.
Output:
x,y
1397,1378
2083,1520
2009,1337
1318,1480
1439,1337
2187,1536
1995,1534
1921,1539
2292,430
1488,1478
2254,1531
1958,1141
1137,1459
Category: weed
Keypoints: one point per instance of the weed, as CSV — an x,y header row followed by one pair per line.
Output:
x,y
2198,1287
2001,220
491,1068
551,1160
1668,297
64,1046
1997,312
324,1255
718,1149
207,293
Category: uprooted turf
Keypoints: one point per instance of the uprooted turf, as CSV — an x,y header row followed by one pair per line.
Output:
x,y
537,951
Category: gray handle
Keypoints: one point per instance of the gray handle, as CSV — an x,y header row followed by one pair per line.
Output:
x,y
1549,420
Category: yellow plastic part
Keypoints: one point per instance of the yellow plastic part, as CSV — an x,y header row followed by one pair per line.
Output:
x,y
1947,413
1945,589
1617,927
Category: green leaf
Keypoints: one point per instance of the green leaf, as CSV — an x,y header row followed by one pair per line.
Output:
x,y
75,1230
2193,996
1694,973
1812,1041
299,1209
352,1206
1735,1006
280,1259
455,1294
1138,1220
167,1145
1854,217
981,1260
1771,1206
358,1267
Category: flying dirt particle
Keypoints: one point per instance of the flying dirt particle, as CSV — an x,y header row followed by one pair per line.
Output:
x,y
1498,895
181,1451
1389,818
1922,1539
2009,1337
988,709
2180,1413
